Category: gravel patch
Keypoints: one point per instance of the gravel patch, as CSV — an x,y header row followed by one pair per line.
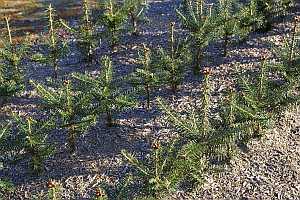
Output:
x,y
269,170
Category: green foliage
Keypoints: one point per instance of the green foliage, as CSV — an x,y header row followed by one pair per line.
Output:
x,y
289,54
172,62
55,45
202,140
287,68
227,21
147,76
249,19
255,102
156,172
11,69
29,139
105,92
136,10
85,34
207,135
6,186
270,8
201,26
71,108
113,18
53,190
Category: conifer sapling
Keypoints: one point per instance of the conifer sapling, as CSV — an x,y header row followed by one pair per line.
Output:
x,y
156,173
201,26
56,46
147,76
11,69
106,92
85,33
255,101
227,22
113,19
136,10
172,62
30,137
71,108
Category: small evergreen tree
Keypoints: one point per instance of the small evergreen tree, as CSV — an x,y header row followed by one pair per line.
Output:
x,y
235,21
203,141
157,172
287,66
249,19
109,98
85,33
71,108
147,77
56,46
271,8
30,137
172,62
113,18
256,101
201,26
11,69
136,11
227,22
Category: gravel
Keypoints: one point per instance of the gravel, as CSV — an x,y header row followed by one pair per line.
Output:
x,y
268,170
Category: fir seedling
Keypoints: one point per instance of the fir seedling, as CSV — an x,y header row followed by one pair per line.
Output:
x,y
249,19
147,76
172,62
5,132
113,18
155,173
30,140
289,57
136,10
203,140
201,26
268,9
228,25
11,69
109,98
256,101
56,47
86,34
71,108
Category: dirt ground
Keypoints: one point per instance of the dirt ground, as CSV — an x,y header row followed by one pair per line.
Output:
x,y
270,169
